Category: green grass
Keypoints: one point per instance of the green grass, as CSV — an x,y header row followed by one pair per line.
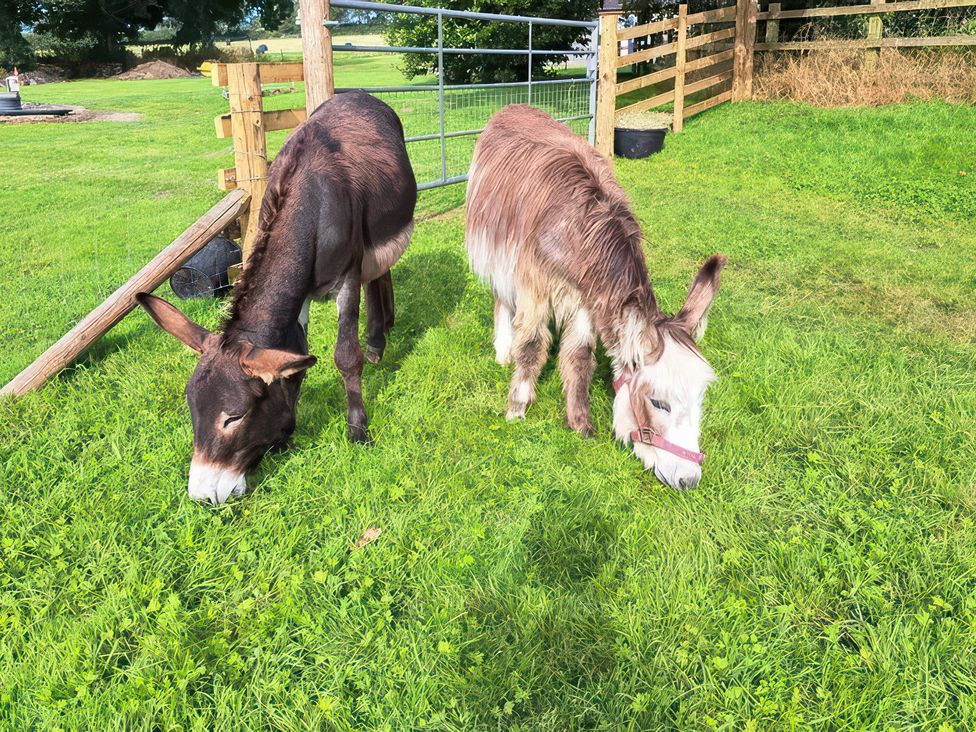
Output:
x,y
822,576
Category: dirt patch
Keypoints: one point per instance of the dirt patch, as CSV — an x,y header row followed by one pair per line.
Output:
x,y
154,70
78,114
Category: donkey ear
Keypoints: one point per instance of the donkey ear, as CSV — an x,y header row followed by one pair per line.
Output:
x,y
269,364
693,316
174,322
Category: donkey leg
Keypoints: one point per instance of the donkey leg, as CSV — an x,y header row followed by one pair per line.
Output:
x,y
576,365
379,315
504,332
530,349
348,357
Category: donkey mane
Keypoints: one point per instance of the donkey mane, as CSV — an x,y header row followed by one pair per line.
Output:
x,y
283,170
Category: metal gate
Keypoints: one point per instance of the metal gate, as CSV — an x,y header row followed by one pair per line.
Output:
x,y
442,121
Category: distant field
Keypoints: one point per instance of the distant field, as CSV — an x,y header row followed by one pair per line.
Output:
x,y
291,48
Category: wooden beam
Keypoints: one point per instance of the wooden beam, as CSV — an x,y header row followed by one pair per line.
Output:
x,y
606,98
722,15
649,103
708,82
679,66
270,73
933,41
647,80
250,149
279,119
647,54
316,53
705,61
647,29
708,104
704,40
896,7
227,179
745,41
103,318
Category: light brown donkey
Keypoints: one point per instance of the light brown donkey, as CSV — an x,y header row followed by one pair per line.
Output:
x,y
552,231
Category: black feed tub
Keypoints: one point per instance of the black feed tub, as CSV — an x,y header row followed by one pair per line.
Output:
x,y
10,106
205,273
629,143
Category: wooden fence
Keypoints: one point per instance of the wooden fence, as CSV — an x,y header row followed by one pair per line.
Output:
x,y
737,44
247,123
709,70
875,30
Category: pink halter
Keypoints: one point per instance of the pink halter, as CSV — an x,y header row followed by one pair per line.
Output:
x,y
644,434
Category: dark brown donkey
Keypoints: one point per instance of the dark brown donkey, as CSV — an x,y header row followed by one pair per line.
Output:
x,y
337,215
552,231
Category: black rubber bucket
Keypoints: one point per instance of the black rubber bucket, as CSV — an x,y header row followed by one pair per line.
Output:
x,y
637,143
205,273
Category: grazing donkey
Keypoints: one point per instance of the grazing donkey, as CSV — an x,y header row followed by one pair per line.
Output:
x,y
337,215
552,231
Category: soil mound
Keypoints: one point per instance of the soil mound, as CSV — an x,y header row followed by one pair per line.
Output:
x,y
154,70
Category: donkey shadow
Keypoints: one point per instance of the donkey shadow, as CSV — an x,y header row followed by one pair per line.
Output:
x,y
427,288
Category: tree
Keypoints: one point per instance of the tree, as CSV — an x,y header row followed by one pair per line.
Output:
x,y
421,30
103,27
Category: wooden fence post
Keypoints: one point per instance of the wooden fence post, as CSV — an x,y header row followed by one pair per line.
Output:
x,y
606,100
745,43
772,25
680,57
875,32
250,150
316,53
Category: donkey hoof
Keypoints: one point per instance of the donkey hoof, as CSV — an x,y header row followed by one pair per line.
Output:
x,y
516,411
359,434
374,355
586,431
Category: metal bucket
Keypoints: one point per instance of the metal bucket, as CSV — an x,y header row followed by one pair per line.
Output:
x,y
205,273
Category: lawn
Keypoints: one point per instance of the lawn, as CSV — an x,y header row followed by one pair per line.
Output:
x,y
823,576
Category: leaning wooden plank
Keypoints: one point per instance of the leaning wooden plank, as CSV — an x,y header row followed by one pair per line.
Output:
x,y
708,104
895,7
647,29
711,37
647,54
649,103
713,16
641,81
281,119
100,320
933,41
705,61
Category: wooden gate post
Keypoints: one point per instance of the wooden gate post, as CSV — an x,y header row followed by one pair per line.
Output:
x,y
745,43
316,53
250,150
680,57
606,99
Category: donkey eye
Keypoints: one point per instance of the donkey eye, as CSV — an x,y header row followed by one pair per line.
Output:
x,y
663,406
231,420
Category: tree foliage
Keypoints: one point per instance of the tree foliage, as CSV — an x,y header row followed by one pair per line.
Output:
x,y
421,30
104,26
